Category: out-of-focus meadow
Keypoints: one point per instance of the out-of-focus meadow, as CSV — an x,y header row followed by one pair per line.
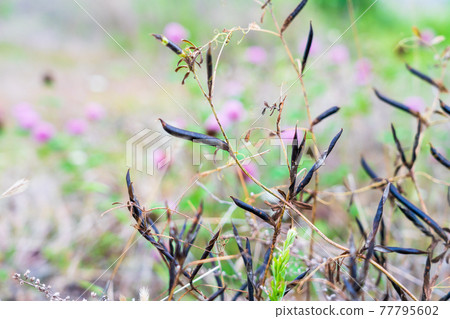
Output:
x,y
80,78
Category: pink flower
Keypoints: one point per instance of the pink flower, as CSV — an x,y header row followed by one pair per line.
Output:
x,y
95,111
175,32
43,132
76,126
212,127
256,55
252,168
339,54
160,159
427,36
416,103
363,71
26,116
233,110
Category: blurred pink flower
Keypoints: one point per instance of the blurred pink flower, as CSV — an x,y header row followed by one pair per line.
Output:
x,y
43,132
233,110
416,103
233,88
339,54
211,124
288,134
26,116
427,36
175,32
363,71
76,126
252,168
95,111
256,55
160,159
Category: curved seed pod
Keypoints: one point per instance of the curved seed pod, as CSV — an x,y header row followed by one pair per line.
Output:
x,y
249,266
445,107
246,256
258,274
353,267
217,293
427,79
399,146
193,231
135,209
305,181
205,254
209,68
295,160
295,282
308,46
446,297
399,250
292,16
370,242
413,218
396,104
439,157
172,46
369,171
427,219
416,144
194,137
353,293
325,114
255,211
217,276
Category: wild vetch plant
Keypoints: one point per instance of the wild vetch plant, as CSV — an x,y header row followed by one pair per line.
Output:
x,y
279,268
270,262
